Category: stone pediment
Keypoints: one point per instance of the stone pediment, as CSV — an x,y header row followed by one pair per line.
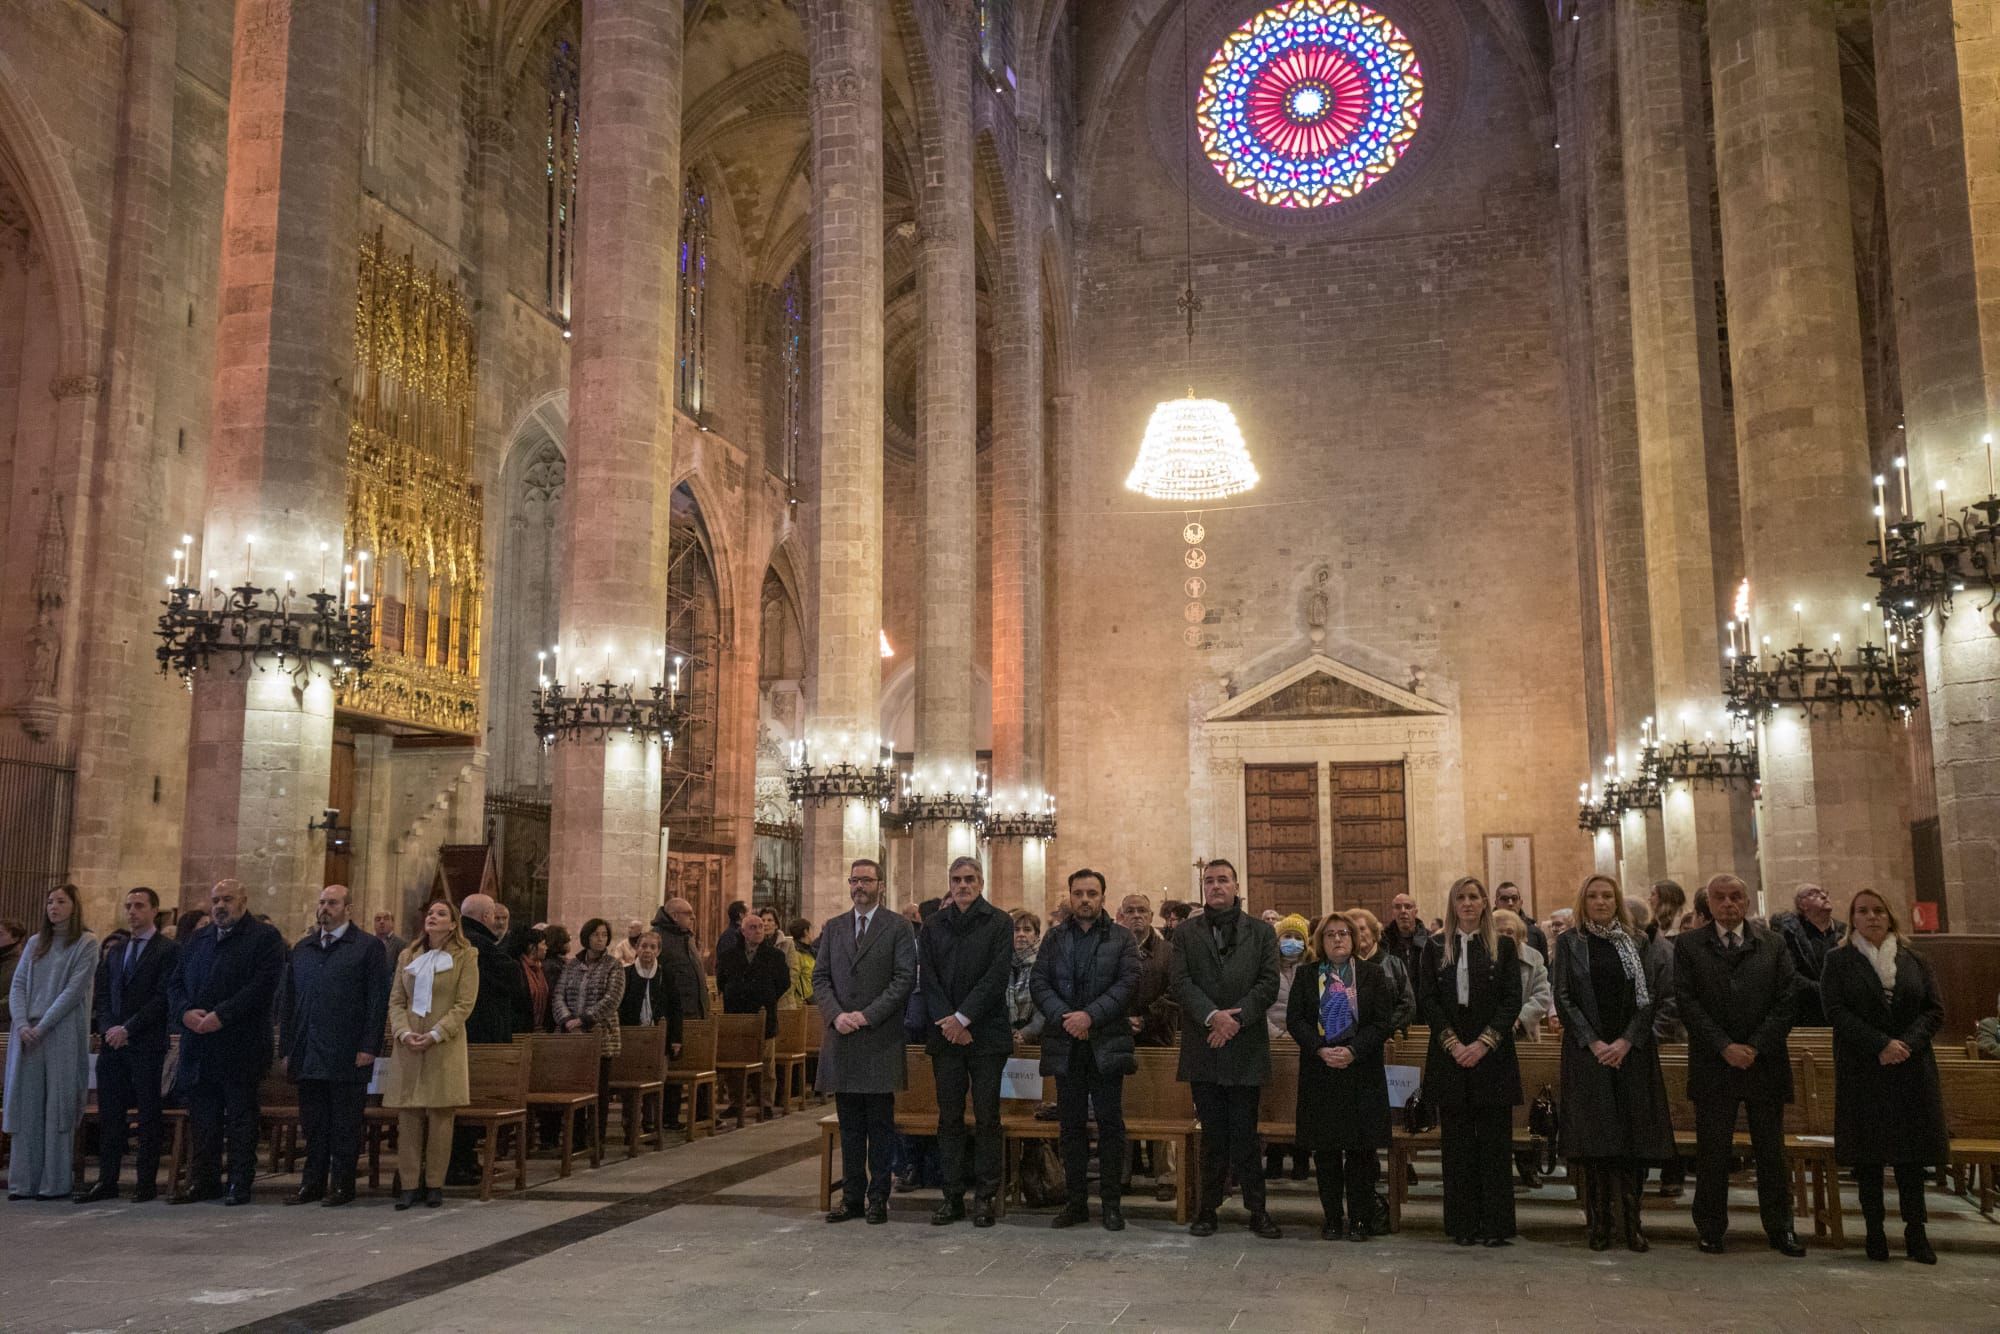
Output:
x,y
1320,689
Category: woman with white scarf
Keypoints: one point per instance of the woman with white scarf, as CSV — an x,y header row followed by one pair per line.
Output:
x,y
1614,1100
437,982
1883,1004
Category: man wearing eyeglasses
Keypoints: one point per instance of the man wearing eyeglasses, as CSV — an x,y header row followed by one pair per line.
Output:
x,y
862,975
966,951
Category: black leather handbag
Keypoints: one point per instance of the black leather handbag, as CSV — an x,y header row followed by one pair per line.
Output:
x,y
1420,1117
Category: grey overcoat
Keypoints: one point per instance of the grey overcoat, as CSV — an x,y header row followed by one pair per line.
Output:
x,y
874,975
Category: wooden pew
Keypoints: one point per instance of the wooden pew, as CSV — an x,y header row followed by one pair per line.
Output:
x,y
739,1057
1541,1067
562,1077
1159,1110
693,1072
1971,1091
789,1057
1808,1141
638,1080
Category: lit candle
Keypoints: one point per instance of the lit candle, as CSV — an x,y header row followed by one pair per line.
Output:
x,y
1989,463
361,576
1903,480
249,552
1940,491
1799,620
323,549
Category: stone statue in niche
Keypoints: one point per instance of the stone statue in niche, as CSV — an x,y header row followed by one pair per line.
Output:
x,y
1316,608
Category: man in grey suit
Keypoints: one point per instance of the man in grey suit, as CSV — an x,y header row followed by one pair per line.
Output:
x,y
862,975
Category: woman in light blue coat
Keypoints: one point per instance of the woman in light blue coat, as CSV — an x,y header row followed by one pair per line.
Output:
x,y
48,1058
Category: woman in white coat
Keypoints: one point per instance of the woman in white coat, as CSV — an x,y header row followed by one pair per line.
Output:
x,y
48,1060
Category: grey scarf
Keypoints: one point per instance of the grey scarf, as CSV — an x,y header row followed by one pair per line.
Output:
x,y
1628,956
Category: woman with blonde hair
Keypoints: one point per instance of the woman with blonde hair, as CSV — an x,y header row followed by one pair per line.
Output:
x,y
1469,992
1888,1110
48,1058
1608,989
437,982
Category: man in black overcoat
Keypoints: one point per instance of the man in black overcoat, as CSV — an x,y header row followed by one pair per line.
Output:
x,y
332,1007
221,994
129,1012
1734,984
963,958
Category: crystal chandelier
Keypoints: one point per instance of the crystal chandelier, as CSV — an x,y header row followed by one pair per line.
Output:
x,y
1193,450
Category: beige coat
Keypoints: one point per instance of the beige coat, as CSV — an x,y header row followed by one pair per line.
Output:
x,y
436,1076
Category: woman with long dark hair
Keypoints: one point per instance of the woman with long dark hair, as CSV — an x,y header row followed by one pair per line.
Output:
x,y
48,1060
1469,992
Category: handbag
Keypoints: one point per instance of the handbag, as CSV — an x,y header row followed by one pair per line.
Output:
x,y
1420,1116
1545,1124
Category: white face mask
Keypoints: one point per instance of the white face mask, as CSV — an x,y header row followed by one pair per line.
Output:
x,y
1291,948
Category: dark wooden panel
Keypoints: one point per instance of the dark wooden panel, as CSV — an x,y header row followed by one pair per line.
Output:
x,y
1968,977
1370,837
1281,824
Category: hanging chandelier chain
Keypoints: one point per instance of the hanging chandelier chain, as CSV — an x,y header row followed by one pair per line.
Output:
x,y
1190,301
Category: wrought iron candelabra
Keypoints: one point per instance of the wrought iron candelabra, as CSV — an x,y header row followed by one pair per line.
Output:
x,y
250,625
1922,564
849,776
1027,817
1707,763
1870,679
601,708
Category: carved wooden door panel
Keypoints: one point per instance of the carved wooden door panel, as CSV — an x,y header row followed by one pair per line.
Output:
x,y
1370,839
1281,822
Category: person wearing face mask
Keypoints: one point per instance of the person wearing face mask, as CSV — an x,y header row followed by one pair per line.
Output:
x,y
1225,977
1883,1003
1341,1009
1021,1011
1469,992
1292,932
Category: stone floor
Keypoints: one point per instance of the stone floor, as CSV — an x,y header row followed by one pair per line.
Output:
x,y
723,1235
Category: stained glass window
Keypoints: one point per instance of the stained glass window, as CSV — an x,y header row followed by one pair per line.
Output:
x,y
692,346
563,147
1310,102
792,355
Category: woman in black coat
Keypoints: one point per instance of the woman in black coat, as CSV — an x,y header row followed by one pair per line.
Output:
x,y
1339,1013
1469,992
1883,1005
1608,989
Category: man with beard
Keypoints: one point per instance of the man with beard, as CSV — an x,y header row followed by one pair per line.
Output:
x,y
964,956
862,976
1226,977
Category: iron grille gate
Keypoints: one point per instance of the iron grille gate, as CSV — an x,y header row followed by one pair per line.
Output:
x,y
37,805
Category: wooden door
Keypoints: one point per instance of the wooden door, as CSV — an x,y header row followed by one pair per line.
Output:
x,y
1281,824
1370,840
340,796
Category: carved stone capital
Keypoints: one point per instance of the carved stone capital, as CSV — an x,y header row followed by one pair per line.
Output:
x,y
492,131
76,386
834,85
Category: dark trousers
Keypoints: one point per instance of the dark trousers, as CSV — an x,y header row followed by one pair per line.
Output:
x,y
1083,1088
958,1072
222,1111
1478,1176
1909,1193
129,1081
1714,1144
1347,1175
1228,1115
330,1115
867,1142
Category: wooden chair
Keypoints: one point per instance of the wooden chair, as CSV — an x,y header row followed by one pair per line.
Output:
x,y
638,1081
278,1116
1159,1110
739,1057
562,1077
789,1058
693,1072
815,1038
499,1083
1971,1092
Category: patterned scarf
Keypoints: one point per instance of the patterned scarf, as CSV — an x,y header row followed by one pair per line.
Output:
x,y
1628,955
1336,1001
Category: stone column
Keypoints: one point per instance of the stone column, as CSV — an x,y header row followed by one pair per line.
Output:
x,y
1834,810
261,749
947,429
1937,67
1019,872
844,51
1677,380
604,844
124,522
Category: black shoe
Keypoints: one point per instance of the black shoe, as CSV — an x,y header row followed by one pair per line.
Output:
x,y
434,1198
306,1195
949,1212
878,1211
196,1194
1878,1244
1203,1226
103,1190
1070,1216
1262,1226
145,1194
406,1199
846,1212
1787,1243
1360,1232
338,1196
1530,1178
1495,1243
236,1197
1710,1246
982,1213
1332,1232
1465,1241
1917,1245
1114,1218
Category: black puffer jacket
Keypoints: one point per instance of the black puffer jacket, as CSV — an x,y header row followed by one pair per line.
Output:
x,y
1097,972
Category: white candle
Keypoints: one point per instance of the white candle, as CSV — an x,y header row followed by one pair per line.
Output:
x,y
249,552
1903,480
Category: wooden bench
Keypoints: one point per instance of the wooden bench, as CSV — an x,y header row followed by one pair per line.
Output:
x,y
739,1057
278,1116
1541,1067
498,1074
789,1057
1971,1090
1808,1136
815,1039
562,1077
638,1081
1159,1110
693,1073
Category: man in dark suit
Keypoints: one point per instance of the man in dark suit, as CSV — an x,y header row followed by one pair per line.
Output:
x,y
964,956
221,994
1226,979
1086,974
503,1007
862,976
1733,982
332,1007
129,1012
